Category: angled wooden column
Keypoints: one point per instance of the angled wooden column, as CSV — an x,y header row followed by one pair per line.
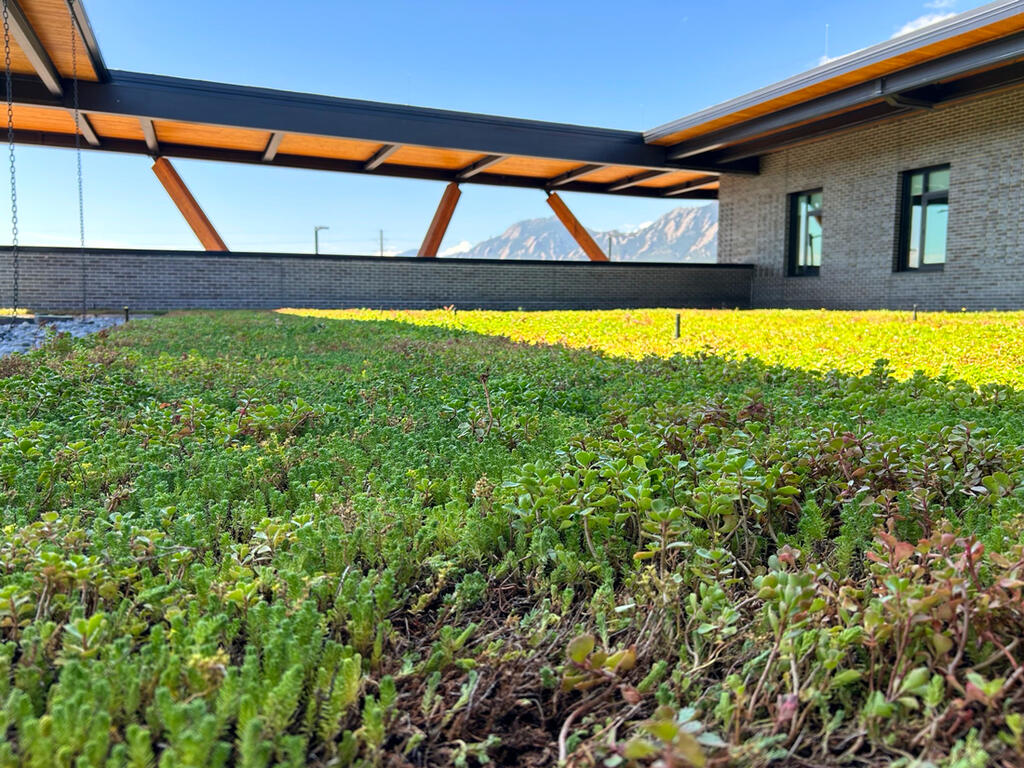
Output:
x,y
577,230
188,206
439,224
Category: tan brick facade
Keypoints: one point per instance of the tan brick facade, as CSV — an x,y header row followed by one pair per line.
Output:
x,y
859,170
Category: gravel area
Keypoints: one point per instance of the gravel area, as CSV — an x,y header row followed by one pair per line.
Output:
x,y
21,337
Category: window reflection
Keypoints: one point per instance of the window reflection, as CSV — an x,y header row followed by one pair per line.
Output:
x,y
925,218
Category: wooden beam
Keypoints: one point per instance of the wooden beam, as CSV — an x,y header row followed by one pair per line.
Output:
x,y
439,224
272,145
380,156
188,206
577,230
149,132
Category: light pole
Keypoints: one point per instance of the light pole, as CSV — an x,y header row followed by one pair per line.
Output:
x,y
316,237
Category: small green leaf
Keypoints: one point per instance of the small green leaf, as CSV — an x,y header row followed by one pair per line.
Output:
x,y
580,647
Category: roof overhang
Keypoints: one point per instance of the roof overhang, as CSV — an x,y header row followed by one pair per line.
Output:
x,y
968,55
156,115
177,117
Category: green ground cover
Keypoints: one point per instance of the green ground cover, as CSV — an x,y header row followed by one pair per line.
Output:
x,y
253,539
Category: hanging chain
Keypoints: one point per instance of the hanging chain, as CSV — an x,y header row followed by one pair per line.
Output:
x,y
10,146
78,145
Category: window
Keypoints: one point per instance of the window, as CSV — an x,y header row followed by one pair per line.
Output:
x,y
805,232
924,219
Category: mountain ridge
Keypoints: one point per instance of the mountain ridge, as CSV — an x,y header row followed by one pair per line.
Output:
x,y
688,234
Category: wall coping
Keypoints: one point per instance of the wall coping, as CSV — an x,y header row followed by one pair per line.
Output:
x,y
157,252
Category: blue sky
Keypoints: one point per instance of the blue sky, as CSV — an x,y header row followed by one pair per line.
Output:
x,y
612,64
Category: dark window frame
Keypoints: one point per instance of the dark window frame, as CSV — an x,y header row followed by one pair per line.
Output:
x,y
905,217
793,232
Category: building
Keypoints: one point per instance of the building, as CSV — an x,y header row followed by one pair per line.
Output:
x,y
890,177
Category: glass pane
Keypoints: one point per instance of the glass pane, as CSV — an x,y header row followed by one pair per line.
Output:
x,y
814,232
913,251
938,181
801,241
806,230
935,232
916,183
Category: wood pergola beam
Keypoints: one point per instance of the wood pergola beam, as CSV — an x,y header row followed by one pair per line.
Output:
x,y
188,206
577,230
439,224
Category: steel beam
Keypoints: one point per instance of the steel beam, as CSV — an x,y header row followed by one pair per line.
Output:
x,y
632,181
903,100
150,133
380,156
272,145
679,189
27,39
86,129
578,231
439,224
168,98
808,131
1004,51
188,206
483,164
88,37
574,174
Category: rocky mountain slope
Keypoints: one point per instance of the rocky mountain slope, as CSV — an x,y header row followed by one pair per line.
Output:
x,y
685,234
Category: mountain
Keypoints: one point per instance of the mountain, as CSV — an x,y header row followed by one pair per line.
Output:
x,y
686,234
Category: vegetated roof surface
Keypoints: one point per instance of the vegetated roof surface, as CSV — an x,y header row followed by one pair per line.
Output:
x,y
244,538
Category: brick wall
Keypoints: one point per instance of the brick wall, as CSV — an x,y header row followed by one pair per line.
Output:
x,y
51,279
983,142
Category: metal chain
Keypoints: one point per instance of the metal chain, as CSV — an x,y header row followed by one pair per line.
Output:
x,y
10,146
78,145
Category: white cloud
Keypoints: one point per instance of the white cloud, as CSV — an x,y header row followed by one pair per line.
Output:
x,y
940,4
462,247
923,21
826,59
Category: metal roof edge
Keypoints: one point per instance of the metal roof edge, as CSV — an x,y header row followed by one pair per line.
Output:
x,y
933,33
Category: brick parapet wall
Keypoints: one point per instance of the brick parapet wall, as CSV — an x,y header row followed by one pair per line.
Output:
x,y
51,279
983,142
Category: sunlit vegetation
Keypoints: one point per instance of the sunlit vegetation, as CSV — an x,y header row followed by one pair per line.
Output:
x,y
259,539
977,347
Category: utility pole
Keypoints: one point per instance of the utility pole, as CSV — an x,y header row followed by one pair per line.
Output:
x,y
609,247
382,242
316,237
